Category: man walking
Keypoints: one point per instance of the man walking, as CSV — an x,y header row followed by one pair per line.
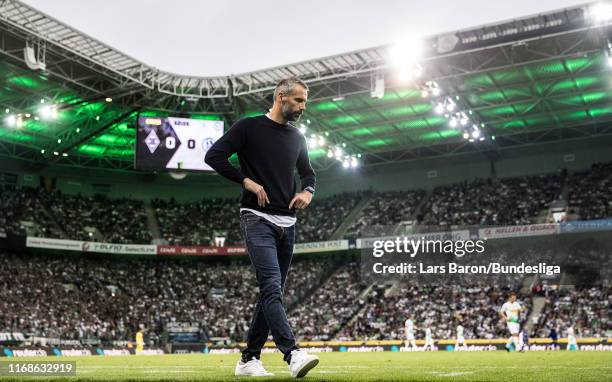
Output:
x,y
269,150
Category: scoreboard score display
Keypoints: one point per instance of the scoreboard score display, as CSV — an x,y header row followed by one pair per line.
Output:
x,y
168,143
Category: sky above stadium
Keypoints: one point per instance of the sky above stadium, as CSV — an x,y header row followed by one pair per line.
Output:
x,y
211,38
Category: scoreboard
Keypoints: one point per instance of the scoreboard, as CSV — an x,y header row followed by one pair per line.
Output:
x,y
168,143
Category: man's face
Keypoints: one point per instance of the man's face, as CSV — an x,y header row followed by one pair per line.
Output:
x,y
512,298
294,104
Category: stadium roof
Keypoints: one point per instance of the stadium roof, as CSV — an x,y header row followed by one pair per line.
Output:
x,y
521,82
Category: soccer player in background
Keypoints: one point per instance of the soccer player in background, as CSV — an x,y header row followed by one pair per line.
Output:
x,y
572,344
269,150
510,312
460,338
554,337
524,339
429,342
139,341
409,327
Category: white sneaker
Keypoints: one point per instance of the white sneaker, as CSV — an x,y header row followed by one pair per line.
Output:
x,y
301,363
253,368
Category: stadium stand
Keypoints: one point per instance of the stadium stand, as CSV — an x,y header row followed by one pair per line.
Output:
x,y
85,297
442,307
385,209
492,202
480,202
39,294
198,223
590,190
587,309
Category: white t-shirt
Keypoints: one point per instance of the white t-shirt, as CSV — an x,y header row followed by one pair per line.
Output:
x,y
459,331
428,333
409,326
511,310
279,220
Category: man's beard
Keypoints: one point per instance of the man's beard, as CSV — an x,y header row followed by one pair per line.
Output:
x,y
292,116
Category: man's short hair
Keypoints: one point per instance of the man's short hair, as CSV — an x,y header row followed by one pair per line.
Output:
x,y
286,86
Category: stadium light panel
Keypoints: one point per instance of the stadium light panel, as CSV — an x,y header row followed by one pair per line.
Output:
x,y
406,51
338,152
312,143
601,12
45,111
11,120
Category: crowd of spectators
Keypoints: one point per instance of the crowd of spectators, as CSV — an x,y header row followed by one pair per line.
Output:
x,y
323,217
95,297
55,215
81,297
198,223
330,307
591,192
119,220
20,206
385,210
587,309
440,307
510,201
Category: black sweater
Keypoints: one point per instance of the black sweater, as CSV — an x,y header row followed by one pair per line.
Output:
x,y
268,153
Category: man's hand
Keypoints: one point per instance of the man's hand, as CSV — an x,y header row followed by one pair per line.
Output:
x,y
257,189
301,200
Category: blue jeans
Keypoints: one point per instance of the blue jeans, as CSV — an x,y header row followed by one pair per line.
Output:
x,y
270,249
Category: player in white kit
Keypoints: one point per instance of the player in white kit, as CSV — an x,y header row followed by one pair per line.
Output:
x,y
460,338
429,342
572,344
409,327
510,312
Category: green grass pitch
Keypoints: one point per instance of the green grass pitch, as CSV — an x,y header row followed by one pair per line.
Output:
x,y
387,366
